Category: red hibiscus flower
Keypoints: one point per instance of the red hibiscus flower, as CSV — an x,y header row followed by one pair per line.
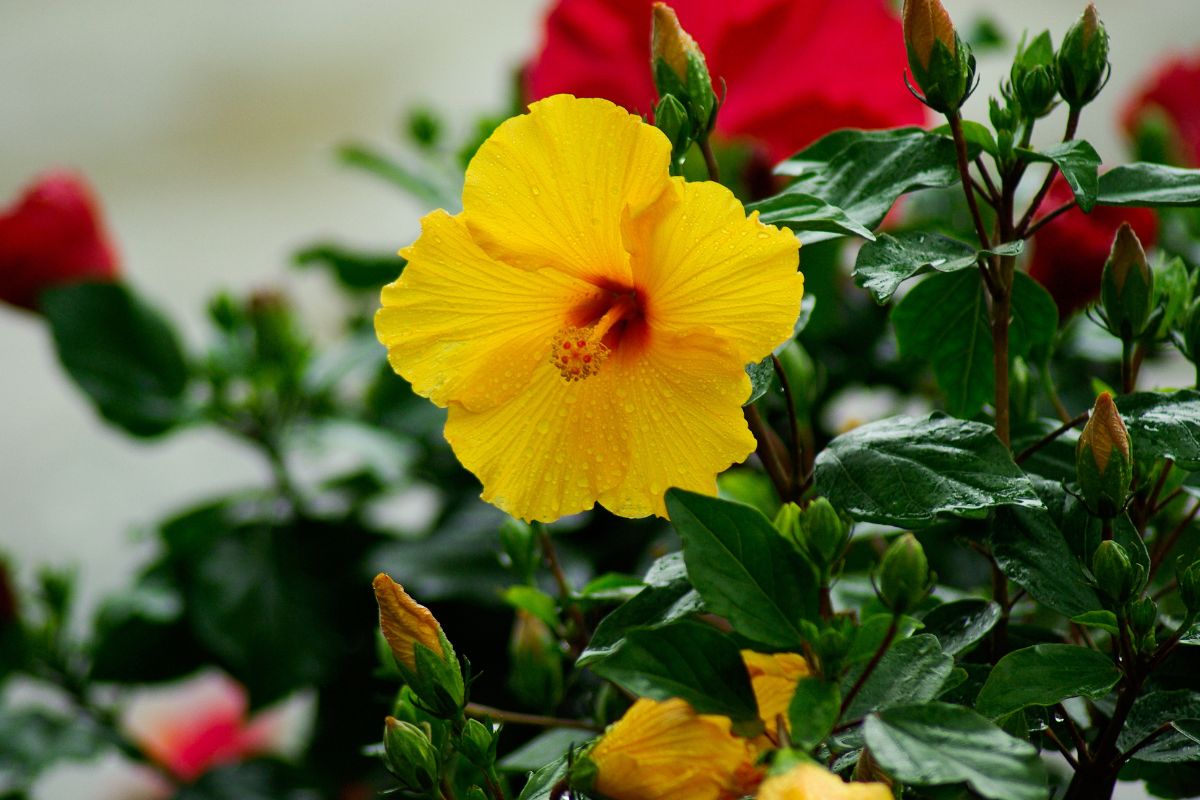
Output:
x,y
795,69
52,235
1070,251
1171,92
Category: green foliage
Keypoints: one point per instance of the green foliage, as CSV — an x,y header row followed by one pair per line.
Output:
x,y
1079,164
887,262
1043,675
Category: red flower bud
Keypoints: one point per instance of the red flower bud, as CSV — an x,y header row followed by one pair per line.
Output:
x,y
52,235
1070,251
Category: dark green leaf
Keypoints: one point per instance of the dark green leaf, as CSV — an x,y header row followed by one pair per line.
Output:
x,y
1154,185
762,374
912,671
908,471
744,570
1032,551
353,269
813,712
944,320
533,601
32,739
977,135
1104,620
887,262
546,783
874,630
1164,426
1153,710
961,624
121,352
1043,675
653,606
938,743
865,172
1034,319
690,660
1079,163
811,218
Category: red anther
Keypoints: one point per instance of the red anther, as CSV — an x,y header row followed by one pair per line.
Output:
x,y
582,343
567,345
587,359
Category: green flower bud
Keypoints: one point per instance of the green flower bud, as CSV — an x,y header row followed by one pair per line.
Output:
x,y
476,793
536,676
941,63
787,522
410,757
478,744
680,70
1143,614
519,543
1002,115
1189,588
904,578
672,119
1103,460
1116,575
823,532
1127,286
1083,59
1034,77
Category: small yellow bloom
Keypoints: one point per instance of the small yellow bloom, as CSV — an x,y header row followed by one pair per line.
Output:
x,y
774,677
670,42
404,621
814,782
587,318
666,751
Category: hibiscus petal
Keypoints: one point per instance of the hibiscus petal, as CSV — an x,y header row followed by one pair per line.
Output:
x,y
464,328
547,189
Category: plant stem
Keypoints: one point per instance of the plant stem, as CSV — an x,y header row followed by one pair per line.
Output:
x,y
519,718
767,452
710,160
1127,378
793,428
1048,218
1163,545
1001,314
1068,135
581,634
872,664
964,171
1050,437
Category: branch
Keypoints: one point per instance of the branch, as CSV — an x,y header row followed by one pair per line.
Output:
x,y
1041,223
873,663
964,171
793,427
550,554
519,718
1068,135
1050,437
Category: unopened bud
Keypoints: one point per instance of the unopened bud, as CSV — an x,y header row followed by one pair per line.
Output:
x,y
1002,116
671,118
941,63
1103,460
680,69
903,574
1083,59
1127,285
1143,615
518,541
478,744
824,533
1034,77
1116,575
787,522
410,757
1189,588
536,676
476,793
423,654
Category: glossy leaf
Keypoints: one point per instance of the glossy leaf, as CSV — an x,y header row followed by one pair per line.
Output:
x,y
1079,163
811,218
938,743
1153,710
890,260
912,671
1031,550
1164,426
813,711
961,624
910,471
744,570
1154,185
1043,675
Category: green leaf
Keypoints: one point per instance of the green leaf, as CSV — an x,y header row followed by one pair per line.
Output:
x,y
652,607
429,192
908,471
811,218
1153,185
1034,319
865,172
1079,163
352,269
1164,426
977,135
1031,550
32,739
813,711
936,743
544,749
912,671
762,374
545,784
887,262
944,320
1153,710
121,352
961,624
690,660
535,602
873,631
744,570
1043,675
1104,620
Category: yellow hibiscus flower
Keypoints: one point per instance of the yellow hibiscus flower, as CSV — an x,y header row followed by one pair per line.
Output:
x,y
814,782
666,751
773,677
587,318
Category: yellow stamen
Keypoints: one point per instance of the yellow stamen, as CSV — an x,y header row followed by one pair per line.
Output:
x,y
579,352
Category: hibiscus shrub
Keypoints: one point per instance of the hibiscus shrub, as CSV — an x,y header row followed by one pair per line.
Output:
x,y
747,528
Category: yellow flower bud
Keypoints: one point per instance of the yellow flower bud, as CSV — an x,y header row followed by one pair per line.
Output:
x,y
1104,432
666,751
670,42
773,678
405,622
814,782
927,21
1103,463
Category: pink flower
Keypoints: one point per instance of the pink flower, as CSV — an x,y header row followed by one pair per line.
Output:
x,y
52,235
795,69
1171,91
202,722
